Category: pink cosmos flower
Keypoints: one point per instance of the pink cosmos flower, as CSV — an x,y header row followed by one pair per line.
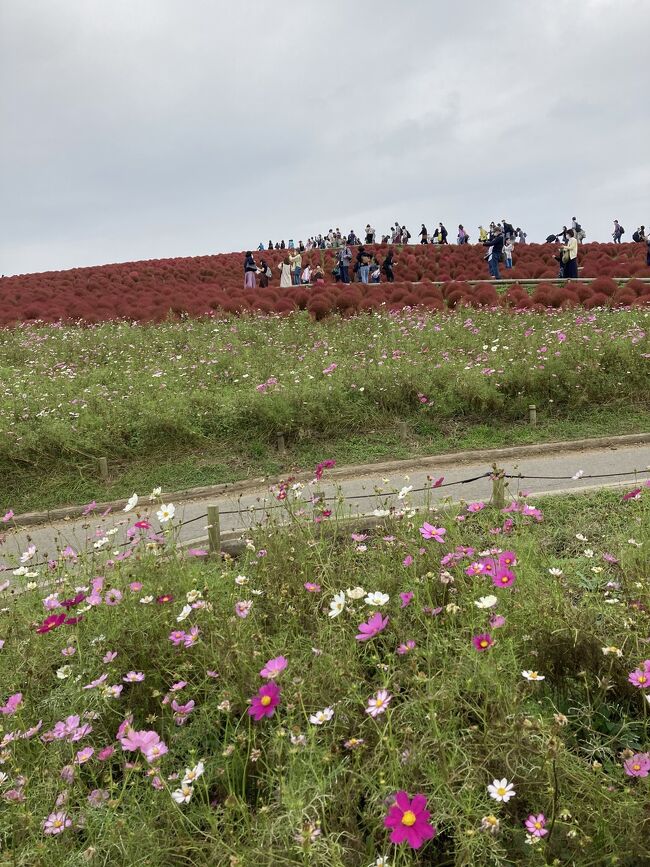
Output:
x,y
632,495
273,667
497,621
372,627
56,823
12,705
177,637
180,684
406,647
114,691
311,587
475,507
69,651
378,703
97,682
408,560
639,677
242,609
323,465
359,537
67,774
97,797
428,531
192,636
483,641
164,599
265,702
113,597
507,559
135,586
84,755
8,516
133,677
409,820
182,711
535,825
406,598
503,578
105,754
638,765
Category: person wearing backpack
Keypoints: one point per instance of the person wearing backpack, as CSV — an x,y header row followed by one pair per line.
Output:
x,y
618,231
344,259
442,234
424,235
569,260
264,272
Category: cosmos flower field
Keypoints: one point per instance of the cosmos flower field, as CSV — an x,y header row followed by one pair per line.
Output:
x,y
454,686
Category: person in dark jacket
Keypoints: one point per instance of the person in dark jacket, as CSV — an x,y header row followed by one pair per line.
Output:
x,y
363,265
508,229
443,234
424,235
387,266
495,250
250,269
265,271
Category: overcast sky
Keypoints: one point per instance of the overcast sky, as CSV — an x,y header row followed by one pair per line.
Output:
x,y
138,129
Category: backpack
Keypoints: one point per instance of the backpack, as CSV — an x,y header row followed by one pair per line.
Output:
x,y
635,236
621,230
268,272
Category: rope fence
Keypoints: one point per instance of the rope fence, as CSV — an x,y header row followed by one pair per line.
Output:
x,y
214,513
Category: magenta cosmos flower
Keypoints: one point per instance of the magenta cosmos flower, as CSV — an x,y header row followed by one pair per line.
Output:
x,y
503,578
265,702
638,765
535,825
373,627
273,667
428,531
409,820
483,641
50,623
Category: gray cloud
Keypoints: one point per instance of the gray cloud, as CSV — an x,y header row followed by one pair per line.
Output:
x,y
157,128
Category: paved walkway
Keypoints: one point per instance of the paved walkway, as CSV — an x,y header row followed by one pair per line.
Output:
x,y
363,494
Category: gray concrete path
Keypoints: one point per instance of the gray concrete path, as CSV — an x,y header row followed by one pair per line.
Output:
x,y
363,494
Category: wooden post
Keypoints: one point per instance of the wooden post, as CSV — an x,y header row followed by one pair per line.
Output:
x,y
498,488
403,429
103,469
279,438
532,414
214,530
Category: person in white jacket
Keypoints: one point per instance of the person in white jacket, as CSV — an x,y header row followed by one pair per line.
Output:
x,y
285,272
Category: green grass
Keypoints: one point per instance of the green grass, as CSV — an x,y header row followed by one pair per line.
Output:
x,y
201,402
457,719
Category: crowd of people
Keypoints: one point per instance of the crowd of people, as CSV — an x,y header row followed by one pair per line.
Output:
x,y
499,241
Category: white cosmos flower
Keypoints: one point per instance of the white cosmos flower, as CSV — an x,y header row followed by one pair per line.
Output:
x,y
241,580
166,513
101,542
406,490
183,795
555,572
131,503
377,598
192,774
187,610
501,790
146,600
533,675
588,553
486,602
63,672
155,493
322,716
28,554
337,605
381,513
612,649
355,592
580,537
578,475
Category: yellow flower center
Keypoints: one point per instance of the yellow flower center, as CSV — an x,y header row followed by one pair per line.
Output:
x,y
504,579
409,818
532,675
537,825
266,700
501,791
58,823
636,767
642,678
484,643
379,702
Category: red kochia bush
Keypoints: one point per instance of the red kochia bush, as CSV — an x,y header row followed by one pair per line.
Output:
x,y
605,285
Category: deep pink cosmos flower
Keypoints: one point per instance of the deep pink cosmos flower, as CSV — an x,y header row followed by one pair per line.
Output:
x,y
76,600
438,482
265,702
503,578
507,559
535,825
409,820
166,597
50,623
475,507
408,560
406,599
428,531
324,465
273,667
483,641
632,495
638,765
372,627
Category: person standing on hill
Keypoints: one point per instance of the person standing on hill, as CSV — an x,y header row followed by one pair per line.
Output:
x,y
578,231
508,230
363,265
495,250
345,257
250,270
424,235
387,266
482,235
569,252
285,272
463,237
618,231
442,234
296,264
508,249
265,273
